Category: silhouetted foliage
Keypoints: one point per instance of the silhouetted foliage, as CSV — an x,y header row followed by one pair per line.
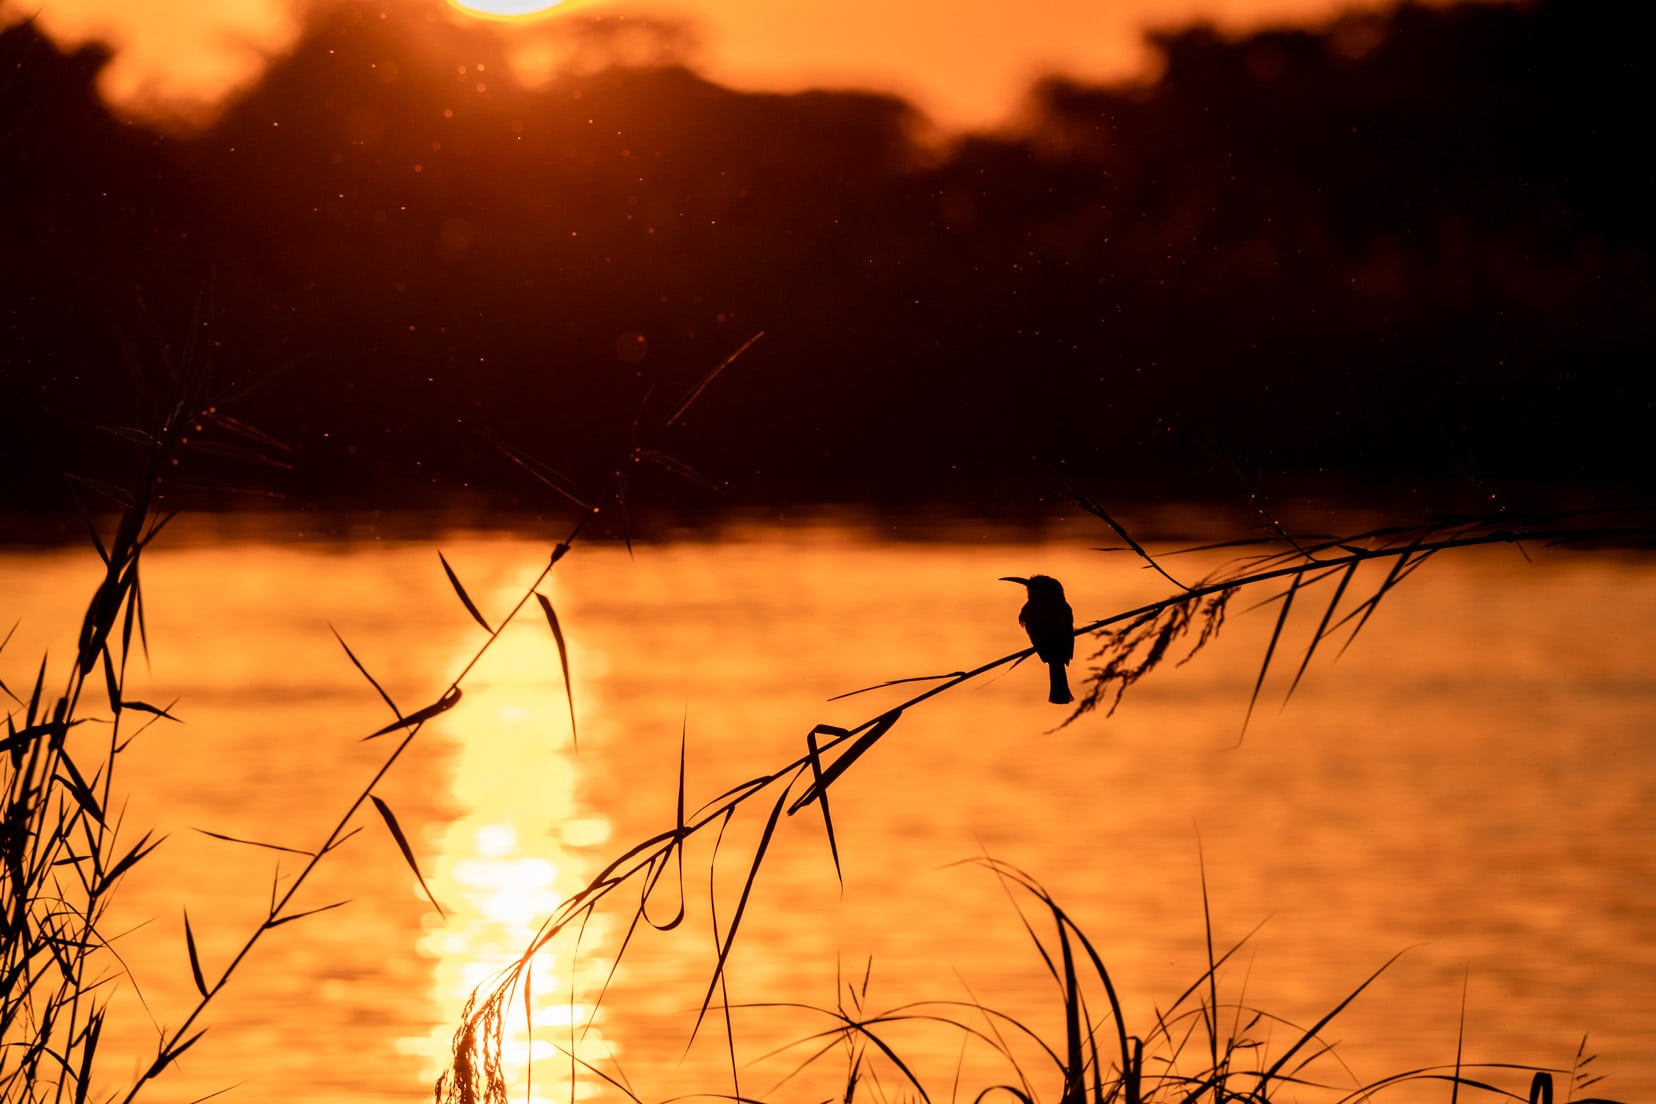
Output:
x,y
1415,245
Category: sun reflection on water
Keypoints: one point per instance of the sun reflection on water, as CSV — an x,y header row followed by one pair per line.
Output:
x,y
512,855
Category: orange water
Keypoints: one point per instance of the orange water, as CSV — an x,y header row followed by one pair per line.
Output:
x,y
1472,783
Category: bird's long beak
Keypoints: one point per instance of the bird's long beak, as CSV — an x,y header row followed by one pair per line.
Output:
x,y
1013,579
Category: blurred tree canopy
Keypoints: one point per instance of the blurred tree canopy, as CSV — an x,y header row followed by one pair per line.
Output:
x,y
1412,245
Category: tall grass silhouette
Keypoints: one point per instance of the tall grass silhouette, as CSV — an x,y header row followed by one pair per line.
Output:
x,y
65,852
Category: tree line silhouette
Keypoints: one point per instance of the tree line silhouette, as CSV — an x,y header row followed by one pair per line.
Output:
x,y
1412,245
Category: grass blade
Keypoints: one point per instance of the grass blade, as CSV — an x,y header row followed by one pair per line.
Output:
x,y
563,661
195,958
696,391
729,941
357,663
256,843
1303,1040
146,707
278,921
407,851
815,755
1270,650
448,701
882,724
465,599
1322,627
1120,530
171,1054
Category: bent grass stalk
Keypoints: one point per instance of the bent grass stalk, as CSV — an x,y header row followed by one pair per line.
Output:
x,y
1131,644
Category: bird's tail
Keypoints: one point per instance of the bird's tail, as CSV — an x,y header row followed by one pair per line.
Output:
x,y
1060,694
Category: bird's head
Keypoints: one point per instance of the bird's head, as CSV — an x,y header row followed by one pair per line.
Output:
x,y
1039,586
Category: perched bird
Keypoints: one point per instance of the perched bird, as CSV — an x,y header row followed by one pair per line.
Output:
x,y
1048,620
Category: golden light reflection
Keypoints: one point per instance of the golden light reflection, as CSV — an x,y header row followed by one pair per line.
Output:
x,y
511,10
509,859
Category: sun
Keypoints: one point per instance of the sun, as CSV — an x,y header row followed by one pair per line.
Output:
x,y
513,9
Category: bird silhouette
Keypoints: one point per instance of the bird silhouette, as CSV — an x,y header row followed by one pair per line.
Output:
x,y
1050,623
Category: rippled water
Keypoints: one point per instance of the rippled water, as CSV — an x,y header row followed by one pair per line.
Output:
x,y
1471,784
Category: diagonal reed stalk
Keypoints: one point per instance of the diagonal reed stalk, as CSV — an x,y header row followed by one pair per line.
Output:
x,y
179,1039
1130,644
60,863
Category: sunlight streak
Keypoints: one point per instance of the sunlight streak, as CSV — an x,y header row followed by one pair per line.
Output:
x,y
508,861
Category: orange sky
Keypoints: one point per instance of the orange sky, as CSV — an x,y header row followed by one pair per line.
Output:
x,y
965,62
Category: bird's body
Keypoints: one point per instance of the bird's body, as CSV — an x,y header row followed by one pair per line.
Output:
x,y
1050,623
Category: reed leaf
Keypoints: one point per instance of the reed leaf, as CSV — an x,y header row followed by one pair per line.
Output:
x,y
815,755
876,729
563,661
88,1045
70,776
1270,649
133,856
33,708
171,1054
696,392
118,495
278,921
256,843
112,685
465,599
1322,626
1121,531
448,701
547,476
357,663
146,707
1299,1044
195,957
729,941
407,851
677,467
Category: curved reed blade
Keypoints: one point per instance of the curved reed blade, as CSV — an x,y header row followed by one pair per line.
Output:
x,y
1316,1028
195,957
156,710
448,701
695,392
256,843
278,921
1322,626
814,753
1121,531
563,661
465,599
171,1054
1270,650
407,851
372,681
133,857
878,728
729,940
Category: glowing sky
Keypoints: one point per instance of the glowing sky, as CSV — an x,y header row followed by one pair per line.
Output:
x,y
964,62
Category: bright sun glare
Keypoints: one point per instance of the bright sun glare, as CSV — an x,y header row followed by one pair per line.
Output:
x,y
511,9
